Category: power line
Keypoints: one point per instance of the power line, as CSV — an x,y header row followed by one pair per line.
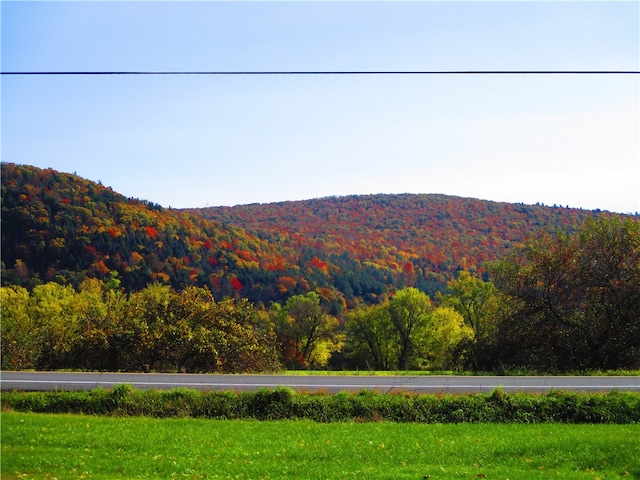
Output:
x,y
341,72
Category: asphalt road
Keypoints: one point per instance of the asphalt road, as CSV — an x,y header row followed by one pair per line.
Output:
x,y
34,381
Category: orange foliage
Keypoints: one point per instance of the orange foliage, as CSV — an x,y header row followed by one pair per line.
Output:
x,y
357,248
286,284
151,231
99,268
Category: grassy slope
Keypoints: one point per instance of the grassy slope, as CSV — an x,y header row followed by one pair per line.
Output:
x,y
69,446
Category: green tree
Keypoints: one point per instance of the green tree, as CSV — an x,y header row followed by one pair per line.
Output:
x,y
96,322
575,300
101,328
20,346
165,330
190,339
372,338
141,339
475,300
406,332
447,330
53,310
609,266
478,303
410,314
245,335
306,333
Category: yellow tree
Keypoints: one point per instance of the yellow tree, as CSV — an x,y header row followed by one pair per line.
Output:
x,y
20,346
447,330
52,308
306,333
410,311
478,303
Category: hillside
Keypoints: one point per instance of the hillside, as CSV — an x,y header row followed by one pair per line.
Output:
x,y
57,226
419,240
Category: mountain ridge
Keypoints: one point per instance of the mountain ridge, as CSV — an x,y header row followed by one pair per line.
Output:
x,y
350,249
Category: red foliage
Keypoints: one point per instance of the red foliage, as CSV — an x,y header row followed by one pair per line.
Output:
x,y
235,284
317,263
286,283
152,231
292,356
215,282
367,244
246,255
277,263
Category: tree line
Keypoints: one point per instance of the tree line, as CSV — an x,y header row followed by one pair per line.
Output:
x,y
58,227
561,302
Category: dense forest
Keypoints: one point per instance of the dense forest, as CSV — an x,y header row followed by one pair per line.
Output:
x,y
369,245
60,227
94,280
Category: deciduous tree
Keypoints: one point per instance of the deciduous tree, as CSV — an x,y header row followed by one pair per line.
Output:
x,y
447,330
306,333
575,299
409,310
20,347
477,301
373,340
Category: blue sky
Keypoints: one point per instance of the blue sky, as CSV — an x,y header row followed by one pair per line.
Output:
x,y
195,141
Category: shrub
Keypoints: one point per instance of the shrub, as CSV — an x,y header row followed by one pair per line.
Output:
x,y
285,403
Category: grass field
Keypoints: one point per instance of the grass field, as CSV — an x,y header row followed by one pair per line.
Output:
x,y
73,446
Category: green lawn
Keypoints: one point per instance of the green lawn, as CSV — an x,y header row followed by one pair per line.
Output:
x,y
72,446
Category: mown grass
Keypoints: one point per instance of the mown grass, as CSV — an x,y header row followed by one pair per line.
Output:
x,y
74,446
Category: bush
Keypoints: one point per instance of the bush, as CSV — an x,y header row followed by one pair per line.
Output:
x,y
365,406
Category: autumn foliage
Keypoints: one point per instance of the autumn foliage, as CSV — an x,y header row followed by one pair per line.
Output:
x,y
60,227
373,281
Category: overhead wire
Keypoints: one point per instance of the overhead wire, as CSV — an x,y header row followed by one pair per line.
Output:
x,y
337,72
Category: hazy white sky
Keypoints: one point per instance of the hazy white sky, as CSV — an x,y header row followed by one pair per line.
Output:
x,y
193,141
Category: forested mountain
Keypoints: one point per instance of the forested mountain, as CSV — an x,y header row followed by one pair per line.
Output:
x,y
57,226
366,244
